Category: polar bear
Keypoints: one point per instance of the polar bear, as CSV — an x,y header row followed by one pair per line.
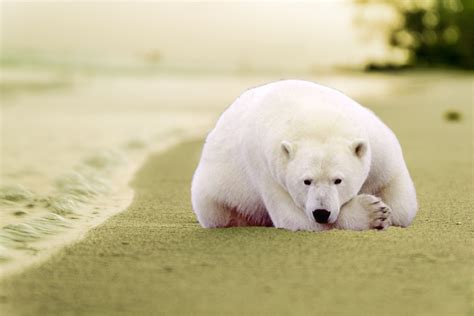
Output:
x,y
297,155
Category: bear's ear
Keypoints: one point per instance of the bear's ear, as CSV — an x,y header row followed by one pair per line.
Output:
x,y
288,149
359,147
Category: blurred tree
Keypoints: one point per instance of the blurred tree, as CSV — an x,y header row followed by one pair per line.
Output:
x,y
434,32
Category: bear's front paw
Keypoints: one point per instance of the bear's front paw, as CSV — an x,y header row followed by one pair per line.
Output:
x,y
364,212
379,212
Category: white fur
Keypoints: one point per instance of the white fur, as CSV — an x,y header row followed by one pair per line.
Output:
x,y
273,137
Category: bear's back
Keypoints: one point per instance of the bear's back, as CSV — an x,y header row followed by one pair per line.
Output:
x,y
294,109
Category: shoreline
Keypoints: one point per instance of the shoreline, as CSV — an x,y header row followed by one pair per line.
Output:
x,y
38,251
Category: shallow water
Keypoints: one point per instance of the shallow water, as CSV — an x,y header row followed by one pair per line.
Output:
x,y
71,142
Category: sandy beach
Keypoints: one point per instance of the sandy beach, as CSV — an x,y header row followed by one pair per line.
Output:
x,y
71,142
154,258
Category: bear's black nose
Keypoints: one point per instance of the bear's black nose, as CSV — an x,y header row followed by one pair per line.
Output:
x,y
321,216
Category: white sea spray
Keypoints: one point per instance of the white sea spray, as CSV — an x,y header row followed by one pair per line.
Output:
x,y
72,197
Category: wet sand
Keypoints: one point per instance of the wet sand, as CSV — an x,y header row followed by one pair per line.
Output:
x,y
154,258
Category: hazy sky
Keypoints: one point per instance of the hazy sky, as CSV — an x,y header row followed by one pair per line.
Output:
x,y
284,35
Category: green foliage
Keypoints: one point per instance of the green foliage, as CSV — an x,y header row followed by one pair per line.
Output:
x,y
443,34
437,32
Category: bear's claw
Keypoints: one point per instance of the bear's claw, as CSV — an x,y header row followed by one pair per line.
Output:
x,y
379,212
380,215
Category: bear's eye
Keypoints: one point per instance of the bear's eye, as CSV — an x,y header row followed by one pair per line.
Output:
x,y
337,181
307,182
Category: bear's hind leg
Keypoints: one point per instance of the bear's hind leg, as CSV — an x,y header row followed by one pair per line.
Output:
x,y
210,213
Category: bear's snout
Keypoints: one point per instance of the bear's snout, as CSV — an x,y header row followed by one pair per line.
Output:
x,y
321,215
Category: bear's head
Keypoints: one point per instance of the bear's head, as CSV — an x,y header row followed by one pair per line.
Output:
x,y
321,177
